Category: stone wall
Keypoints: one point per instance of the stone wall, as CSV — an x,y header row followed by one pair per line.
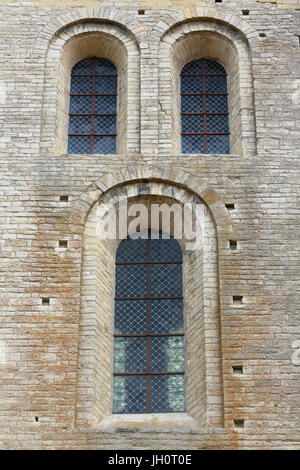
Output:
x,y
47,196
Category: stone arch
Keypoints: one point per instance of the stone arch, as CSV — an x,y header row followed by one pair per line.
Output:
x,y
94,385
66,47
187,41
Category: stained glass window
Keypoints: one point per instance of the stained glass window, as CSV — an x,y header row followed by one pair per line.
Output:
x,y
148,326
93,107
204,108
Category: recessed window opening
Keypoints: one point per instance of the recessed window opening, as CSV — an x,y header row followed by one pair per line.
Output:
x,y
93,107
148,327
204,108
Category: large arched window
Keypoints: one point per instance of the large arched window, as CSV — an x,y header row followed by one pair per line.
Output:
x,y
148,326
204,108
93,107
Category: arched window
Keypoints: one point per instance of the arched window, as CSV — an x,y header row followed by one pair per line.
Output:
x,y
93,107
204,108
148,327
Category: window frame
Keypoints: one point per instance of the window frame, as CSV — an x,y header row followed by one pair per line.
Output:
x,y
202,92
149,335
93,94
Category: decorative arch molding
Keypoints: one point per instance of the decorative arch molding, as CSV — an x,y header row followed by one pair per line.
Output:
x,y
71,44
176,177
190,40
94,394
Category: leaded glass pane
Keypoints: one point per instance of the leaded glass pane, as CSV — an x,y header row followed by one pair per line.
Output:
x,y
218,143
130,354
166,280
131,280
148,342
192,104
104,144
80,124
105,124
91,78
80,104
131,317
130,394
167,354
82,85
192,144
79,144
84,66
165,250
166,316
167,394
132,250
204,90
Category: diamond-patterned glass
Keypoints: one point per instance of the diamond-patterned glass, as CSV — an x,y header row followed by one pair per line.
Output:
x,y
104,144
82,85
216,84
87,80
80,124
192,123
193,67
191,103
106,85
167,394
148,333
131,317
105,124
79,144
206,79
191,84
166,316
217,123
84,66
167,354
105,104
131,280
130,394
212,67
132,250
105,67
216,104
192,144
218,144
165,250
130,354
80,104
166,280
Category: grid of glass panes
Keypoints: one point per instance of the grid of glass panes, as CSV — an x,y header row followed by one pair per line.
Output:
x,y
148,327
204,108
93,107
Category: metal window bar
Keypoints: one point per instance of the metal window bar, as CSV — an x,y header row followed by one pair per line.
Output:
x,y
204,93
148,373
93,94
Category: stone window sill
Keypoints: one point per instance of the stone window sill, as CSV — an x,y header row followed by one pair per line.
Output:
x,y
162,420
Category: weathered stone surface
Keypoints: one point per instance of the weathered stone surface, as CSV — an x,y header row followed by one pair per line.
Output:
x,y
51,389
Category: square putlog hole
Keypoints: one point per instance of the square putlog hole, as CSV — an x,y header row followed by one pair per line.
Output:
x,y
237,370
237,299
64,198
63,243
233,245
229,206
239,423
45,301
